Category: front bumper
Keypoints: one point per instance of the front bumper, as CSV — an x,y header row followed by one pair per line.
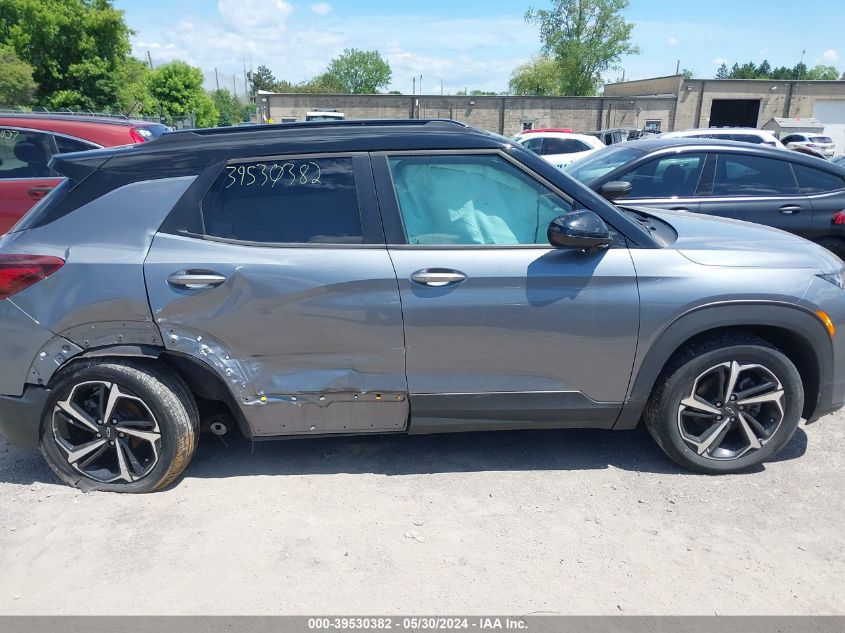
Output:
x,y
20,416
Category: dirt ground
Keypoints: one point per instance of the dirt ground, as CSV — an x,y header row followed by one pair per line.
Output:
x,y
569,522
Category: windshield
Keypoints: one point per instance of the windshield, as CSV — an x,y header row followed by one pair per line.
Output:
x,y
821,139
604,161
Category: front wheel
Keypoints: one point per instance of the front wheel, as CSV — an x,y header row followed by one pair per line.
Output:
x,y
726,405
119,425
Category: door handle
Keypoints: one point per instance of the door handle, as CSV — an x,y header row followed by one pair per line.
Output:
x,y
194,279
438,277
791,209
36,193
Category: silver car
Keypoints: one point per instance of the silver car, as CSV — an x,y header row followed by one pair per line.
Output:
x,y
318,279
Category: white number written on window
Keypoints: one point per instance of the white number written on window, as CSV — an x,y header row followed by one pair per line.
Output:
x,y
288,174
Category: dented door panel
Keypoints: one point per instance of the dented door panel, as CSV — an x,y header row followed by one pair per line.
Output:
x,y
309,339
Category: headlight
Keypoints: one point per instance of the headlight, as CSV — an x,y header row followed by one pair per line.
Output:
x,y
837,278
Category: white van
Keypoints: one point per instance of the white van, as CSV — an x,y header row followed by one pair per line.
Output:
x,y
325,115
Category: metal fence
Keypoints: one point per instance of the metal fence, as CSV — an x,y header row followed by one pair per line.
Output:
x,y
69,112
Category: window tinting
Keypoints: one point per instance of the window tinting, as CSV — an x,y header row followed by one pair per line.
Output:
x,y
534,144
741,175
564,146
812,180
293,201
24,154
472,200
67,145
668,177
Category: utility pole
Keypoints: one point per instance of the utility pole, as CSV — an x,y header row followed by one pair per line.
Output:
x,y
150,58
421,84
246,84
798,83
216,79
235,85
678,68
414,85
441,86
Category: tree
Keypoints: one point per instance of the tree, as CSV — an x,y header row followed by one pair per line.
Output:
x,y
539,77
76,48
229,109
177,91
821,72
359,72
722,73
322,84
585,38
687,73
263,79
16,84
133,95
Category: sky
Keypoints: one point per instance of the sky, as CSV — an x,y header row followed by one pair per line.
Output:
x,y
469,44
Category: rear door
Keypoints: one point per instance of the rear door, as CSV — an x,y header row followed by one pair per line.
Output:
x,y
274,273
757,189
25,177
501,329
826,192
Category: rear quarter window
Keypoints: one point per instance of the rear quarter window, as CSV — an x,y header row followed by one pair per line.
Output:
x,y
811,180
285,201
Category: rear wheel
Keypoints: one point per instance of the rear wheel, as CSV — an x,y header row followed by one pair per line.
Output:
x,y
119,426
726,405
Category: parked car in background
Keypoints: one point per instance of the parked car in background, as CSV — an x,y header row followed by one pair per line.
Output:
x,y
808,151
405,289
324,115
742,135
559,148
616,135
824,145
566,130
786,190
29,141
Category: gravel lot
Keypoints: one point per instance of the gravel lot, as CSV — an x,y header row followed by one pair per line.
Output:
x,y
553,522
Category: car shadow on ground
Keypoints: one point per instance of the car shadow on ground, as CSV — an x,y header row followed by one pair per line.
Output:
x,y
396,455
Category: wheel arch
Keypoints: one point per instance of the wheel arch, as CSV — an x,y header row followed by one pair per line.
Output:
x,y
796,331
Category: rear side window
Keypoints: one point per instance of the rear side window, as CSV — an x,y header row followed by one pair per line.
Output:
x,y
746,138
811,180
24,154
824,140
285,201
743,175
66,145
534,144
565,146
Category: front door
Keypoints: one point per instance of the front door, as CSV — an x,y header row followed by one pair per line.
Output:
x,y
502,330
284,287
667,182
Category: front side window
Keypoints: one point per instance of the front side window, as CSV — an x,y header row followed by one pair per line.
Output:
x,y
743,175
285,201
668,177
24,154
472,200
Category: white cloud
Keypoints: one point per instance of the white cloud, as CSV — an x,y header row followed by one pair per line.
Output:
x,y
250,16
720,60
321,8
672,41
830,56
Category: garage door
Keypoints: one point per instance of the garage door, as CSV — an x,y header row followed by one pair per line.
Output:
x,y
832,114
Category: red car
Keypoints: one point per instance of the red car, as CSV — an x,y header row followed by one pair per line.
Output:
x,y
29,141
565,130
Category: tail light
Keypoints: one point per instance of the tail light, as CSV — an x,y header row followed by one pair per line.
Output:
x,y
139,134
839,217
18,272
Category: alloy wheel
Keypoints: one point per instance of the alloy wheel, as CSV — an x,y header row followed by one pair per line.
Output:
x,y
106,432
732,410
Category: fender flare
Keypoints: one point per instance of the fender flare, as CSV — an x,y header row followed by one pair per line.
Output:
x,y
793,319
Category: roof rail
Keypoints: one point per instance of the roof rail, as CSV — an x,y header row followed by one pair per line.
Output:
x,y
253,129
19,110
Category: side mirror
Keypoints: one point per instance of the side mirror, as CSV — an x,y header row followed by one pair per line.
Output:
x,y
581,229
615,189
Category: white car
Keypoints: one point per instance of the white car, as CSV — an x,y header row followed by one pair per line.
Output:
x,y
741,134
559,148
824,145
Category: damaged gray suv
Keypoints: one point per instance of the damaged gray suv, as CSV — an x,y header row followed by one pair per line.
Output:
x,y
393,277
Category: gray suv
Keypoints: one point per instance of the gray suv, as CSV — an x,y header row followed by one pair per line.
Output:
x,y
393,277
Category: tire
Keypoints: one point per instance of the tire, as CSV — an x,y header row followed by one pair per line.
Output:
x,y
149,440
834,245
705,369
